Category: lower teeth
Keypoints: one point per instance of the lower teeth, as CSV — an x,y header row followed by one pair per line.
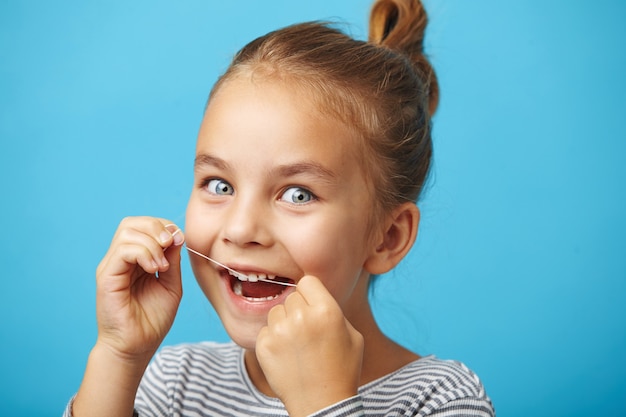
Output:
x,y
238,290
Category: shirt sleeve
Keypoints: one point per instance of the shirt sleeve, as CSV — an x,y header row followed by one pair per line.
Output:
x,y
68,408
465,407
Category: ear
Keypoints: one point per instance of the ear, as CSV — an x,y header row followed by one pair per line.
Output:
x,y
395,239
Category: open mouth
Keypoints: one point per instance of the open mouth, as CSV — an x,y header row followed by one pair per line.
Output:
x,y
258,287
254,287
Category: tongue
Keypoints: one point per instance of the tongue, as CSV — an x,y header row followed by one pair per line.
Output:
x,y
260,289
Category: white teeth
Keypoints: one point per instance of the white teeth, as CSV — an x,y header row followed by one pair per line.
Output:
x,y
239,275
237,288
264,298
253,299
251,277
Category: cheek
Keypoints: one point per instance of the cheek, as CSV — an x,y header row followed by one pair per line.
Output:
x,y
199,229
200,235
333,254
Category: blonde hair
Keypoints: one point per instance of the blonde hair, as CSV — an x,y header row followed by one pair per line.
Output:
x,y
384,89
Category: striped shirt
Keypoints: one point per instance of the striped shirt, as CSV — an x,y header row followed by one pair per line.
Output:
x,y
210,379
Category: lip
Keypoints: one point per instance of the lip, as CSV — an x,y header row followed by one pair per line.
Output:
x,y
243,304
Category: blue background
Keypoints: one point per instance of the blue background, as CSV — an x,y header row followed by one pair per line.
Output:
x,y
520,268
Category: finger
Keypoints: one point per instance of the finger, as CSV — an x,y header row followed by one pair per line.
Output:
x,y
263,340
312,290
145,225
176,236
135,247
276,315
294,302
149,241
124,259
164,231
155,234
170,278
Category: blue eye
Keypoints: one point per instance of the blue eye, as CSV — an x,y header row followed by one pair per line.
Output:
x,y
297,195
219,187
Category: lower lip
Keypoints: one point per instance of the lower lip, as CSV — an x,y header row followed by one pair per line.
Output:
x,y
251,306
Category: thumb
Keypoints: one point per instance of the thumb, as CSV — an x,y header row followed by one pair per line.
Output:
x,y
314,291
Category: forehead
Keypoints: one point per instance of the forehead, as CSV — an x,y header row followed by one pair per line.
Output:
x,y
272,117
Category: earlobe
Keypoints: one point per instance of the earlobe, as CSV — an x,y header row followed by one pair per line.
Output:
x,y
395,240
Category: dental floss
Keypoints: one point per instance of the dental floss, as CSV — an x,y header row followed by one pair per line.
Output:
x,y
237,274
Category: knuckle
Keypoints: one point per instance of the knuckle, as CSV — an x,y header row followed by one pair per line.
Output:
x,y
99,269
357,339
124,233
261,336
126,221
328,313
274,314
145,252
262,345
298,318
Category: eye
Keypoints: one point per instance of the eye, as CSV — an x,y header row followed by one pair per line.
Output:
x,y
219,187
297,195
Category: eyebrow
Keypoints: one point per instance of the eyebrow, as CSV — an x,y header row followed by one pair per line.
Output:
x,y
306,168
288,170
205,160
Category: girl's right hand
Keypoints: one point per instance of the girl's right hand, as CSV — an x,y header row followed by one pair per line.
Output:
x,y
139,287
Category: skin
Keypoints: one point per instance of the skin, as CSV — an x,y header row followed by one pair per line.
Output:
x,y
277,190
134,311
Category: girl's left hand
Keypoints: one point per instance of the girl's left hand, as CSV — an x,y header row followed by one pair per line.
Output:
x,y
309,352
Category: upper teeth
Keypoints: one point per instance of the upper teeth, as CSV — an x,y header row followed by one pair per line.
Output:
x,y
251,277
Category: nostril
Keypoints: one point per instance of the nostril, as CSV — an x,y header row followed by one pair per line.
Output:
x,y
245,221
242,243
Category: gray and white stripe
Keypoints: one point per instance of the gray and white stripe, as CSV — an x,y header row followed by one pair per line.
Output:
x,y
209,379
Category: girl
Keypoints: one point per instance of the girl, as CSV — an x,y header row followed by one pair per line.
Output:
x,y
312,152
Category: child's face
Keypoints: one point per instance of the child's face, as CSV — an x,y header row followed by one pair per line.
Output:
x,y
278,191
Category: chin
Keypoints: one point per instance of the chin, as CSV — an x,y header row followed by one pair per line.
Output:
x,y
244,337
242,315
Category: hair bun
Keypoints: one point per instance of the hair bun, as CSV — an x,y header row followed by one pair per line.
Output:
x,y
400,25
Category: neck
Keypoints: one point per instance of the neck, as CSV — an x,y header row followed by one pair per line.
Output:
x,y
381,355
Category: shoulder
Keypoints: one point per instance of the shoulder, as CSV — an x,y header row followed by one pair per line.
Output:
x,y
430,386
452,375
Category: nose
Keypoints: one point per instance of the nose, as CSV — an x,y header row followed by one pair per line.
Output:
x,y
246,223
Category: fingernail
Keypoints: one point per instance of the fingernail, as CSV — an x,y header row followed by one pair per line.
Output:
x,y
177,234
165,236
179,239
